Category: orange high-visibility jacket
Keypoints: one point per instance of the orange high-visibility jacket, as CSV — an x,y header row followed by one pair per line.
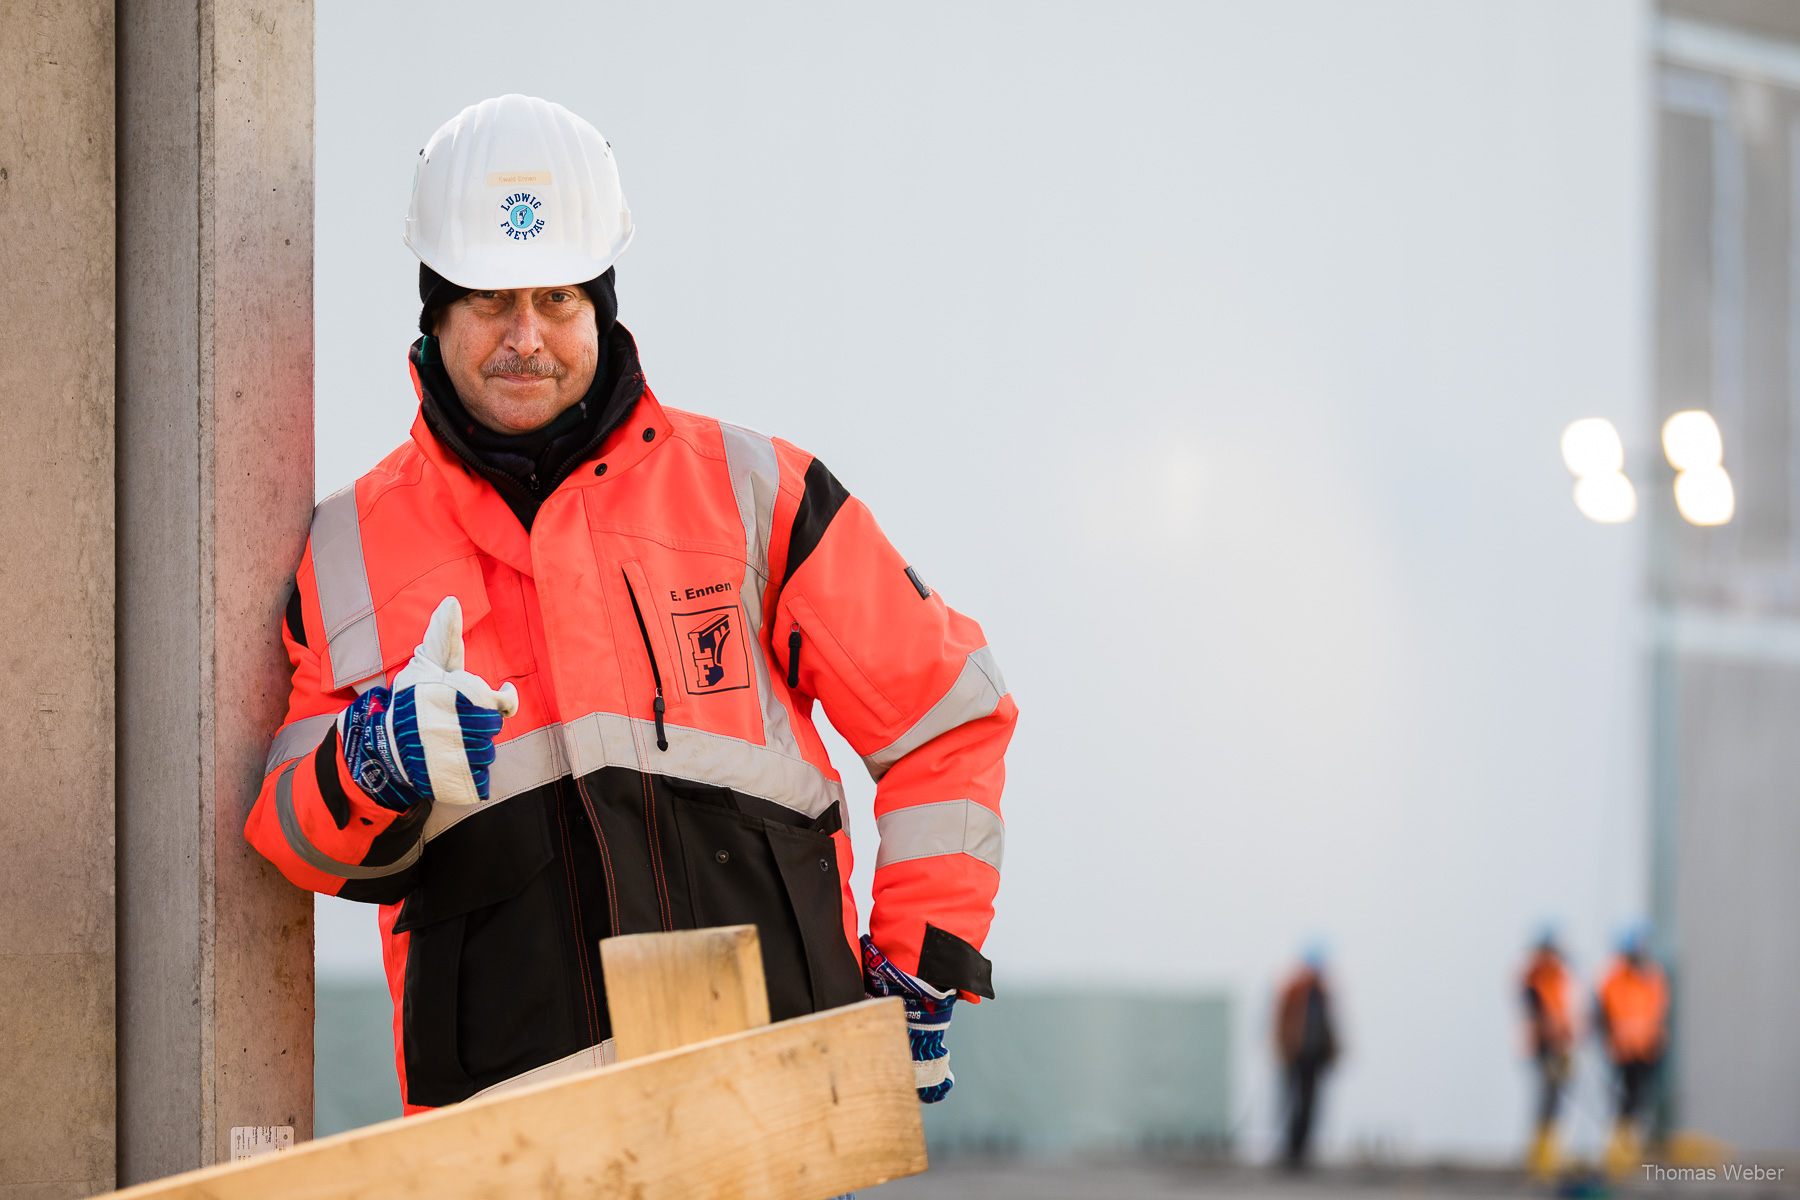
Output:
x,y
1548,990
731,574
1304,1029
1634,1005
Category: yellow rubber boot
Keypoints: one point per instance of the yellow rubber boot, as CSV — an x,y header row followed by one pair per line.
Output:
x,y
1623,1158
1542,1162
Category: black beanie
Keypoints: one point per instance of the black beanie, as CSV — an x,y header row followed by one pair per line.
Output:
x,y
435,292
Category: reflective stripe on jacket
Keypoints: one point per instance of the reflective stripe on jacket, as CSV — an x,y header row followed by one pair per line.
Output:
x,y
687,558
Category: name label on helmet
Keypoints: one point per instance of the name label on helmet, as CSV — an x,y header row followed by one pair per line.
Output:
x,y
515,179
519,216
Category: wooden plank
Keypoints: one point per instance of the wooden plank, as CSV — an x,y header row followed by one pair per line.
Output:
x,y
674,989
802,1110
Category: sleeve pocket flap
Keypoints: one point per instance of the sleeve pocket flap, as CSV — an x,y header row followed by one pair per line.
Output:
x,y
402,617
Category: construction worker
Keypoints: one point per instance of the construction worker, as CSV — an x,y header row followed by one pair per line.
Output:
x,y
555,661
1548,993
1632,1015
1306,1043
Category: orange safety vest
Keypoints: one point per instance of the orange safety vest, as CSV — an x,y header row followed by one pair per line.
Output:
x,y
1634,1001
1548,980
731,574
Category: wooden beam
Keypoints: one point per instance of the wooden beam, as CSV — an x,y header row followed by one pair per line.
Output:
x,y
674,989
801,1110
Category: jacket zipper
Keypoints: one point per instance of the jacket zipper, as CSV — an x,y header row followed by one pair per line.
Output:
x,y
794,657
662,741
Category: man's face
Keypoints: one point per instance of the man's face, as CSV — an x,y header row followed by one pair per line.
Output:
x,y
520,358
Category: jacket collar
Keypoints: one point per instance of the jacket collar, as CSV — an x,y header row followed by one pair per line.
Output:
x,y
484,514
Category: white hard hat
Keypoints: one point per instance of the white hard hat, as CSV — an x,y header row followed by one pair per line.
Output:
x,y
517,192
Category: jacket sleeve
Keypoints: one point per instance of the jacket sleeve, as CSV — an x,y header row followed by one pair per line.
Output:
x,y
914,689
310,818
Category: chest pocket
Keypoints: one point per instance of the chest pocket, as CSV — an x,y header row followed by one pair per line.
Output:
x,y
402,618
702,630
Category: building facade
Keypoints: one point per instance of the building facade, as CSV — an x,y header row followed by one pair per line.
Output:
x,y
1726,654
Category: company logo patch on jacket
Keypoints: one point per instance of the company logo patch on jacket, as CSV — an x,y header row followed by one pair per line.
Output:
x,y
522,217
710,644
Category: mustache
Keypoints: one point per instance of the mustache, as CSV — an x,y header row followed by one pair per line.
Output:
x,y
514,364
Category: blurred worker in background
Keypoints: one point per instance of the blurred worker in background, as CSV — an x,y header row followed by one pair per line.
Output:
x,y
1632,1016
1307,1044
1548,991
555,662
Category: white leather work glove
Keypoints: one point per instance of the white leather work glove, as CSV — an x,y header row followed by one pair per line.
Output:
x,y
443,719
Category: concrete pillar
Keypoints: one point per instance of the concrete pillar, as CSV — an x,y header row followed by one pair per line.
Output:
x,y
56,599
215,478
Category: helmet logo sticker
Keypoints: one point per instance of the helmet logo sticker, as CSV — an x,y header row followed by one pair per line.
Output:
x,y
520,218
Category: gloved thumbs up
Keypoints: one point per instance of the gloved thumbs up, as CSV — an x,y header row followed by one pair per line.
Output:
x,y
444,718
433,739
443,644
437,663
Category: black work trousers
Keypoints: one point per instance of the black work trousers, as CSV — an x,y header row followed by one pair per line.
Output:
x,y
1553,1076
1302,1100
1635,1079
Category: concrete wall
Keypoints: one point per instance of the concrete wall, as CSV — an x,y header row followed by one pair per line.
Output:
x,y
215,492
1772,18
56,599
1737,894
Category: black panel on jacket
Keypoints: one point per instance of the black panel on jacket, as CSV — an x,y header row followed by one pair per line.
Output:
x,y
809,868
946,961
590,917
504,924
488,996
490,991
820,502
743,868
734,879
633,813
483,859
295,625
337,801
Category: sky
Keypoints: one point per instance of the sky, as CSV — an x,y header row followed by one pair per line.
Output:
x,y
1213,356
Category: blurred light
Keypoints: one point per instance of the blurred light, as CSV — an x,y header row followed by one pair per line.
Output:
x,y
1691,440
1703,494
1591,446
1607,498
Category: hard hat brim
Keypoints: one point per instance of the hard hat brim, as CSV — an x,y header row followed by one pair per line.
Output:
x,y
493,270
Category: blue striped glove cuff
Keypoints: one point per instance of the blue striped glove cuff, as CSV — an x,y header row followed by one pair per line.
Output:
x,y
927,1020
366,736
